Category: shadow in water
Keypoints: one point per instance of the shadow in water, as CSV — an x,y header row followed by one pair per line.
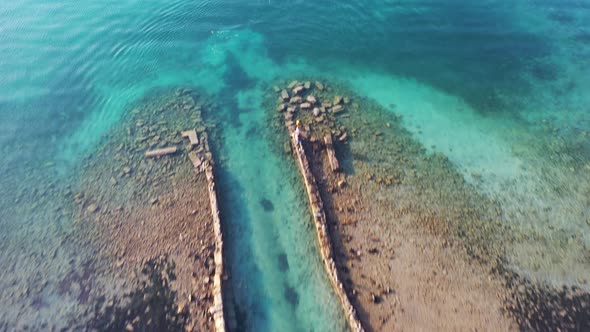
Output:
x,y
237,79
291,295
283,262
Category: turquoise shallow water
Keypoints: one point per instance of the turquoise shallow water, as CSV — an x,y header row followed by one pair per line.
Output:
x,y
500,88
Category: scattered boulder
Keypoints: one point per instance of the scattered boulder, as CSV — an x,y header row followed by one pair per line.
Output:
x,y
376,298
319,85
337,109
191,135
195,160
292,84
296,100
311,99
342,183
306,106
316,112
298,89
282,107
284,95
182,308
92,208
307,85
157,153
343,137
337,100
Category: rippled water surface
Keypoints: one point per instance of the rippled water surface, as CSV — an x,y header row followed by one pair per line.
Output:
x,y
500,88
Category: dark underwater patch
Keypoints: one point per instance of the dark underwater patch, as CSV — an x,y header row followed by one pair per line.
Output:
x,y
237,79
283,262
545,72
267,205
583,37
562,17
150,307
291,295
252,132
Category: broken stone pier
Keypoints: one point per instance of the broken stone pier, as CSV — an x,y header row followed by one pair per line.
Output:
x,y
202,160
321,225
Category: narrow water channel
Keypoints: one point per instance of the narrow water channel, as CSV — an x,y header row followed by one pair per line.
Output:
x,y
277,279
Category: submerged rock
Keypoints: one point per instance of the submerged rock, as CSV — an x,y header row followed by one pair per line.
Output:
x,y
337,109
284,95
298,89
92,208
267,205
291,295
283,262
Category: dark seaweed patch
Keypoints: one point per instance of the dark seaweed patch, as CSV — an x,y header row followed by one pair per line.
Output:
x,y
267,205
545,308
583,37
84,280
151,307
291,295
562,17
283,263
252,132
38,303
545,72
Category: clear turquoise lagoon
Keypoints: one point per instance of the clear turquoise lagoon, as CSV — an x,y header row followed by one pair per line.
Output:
x,y
502,88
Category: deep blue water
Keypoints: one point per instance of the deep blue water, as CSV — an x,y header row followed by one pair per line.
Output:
x,y
493,84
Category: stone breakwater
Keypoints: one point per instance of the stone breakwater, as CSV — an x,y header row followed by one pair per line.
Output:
x,y
202,160
319,218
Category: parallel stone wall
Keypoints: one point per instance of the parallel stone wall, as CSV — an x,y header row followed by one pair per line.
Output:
x,y
203,161
217,309
319,217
